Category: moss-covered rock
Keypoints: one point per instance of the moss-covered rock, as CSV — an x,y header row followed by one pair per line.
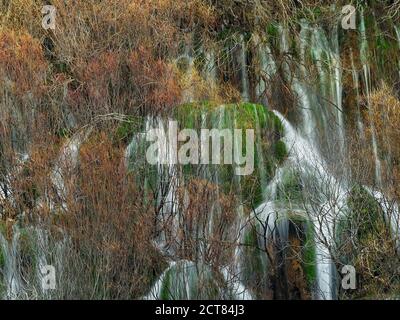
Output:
x,y
255,264
269,150
366,242
280,151
282,266
309,255
291,188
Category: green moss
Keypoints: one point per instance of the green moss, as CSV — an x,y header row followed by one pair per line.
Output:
x,y
226,33
364,220
127,129
255,272
63,133
309,255
28,249
365,210
165,293
268,151
280,151
251,190
291,187
61,67
382,44
273,30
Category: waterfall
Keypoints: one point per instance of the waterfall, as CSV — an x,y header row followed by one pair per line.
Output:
x,y
225,117
306,158
11,277
6,191
360,124
67,161
188,92
168,181
210,229
185,271
317,110
391,210
397,30
233,273
210,68
25,281
309,126
367,86
271,212
243,68
298,87
337,84
267,65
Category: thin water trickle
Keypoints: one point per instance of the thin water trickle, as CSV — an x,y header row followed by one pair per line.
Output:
x,y
244,68
367,85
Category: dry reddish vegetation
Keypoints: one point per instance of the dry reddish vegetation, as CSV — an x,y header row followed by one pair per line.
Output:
x,y
385,114
110,226
99,58
119,56
104,57
202,205
22,64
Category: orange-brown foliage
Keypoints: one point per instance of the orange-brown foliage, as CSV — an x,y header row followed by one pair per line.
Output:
x,y
22,63
155,81
111,228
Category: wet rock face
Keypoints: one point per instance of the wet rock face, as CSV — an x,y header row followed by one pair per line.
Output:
x,y
320,80
283,269
297,287
288,281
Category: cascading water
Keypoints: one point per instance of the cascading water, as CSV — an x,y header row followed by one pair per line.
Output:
x,y
210,68
187,57
223,117
306,158
20,281
317,111
367,85
11,277
305,155
244,69
66,163
267,65
338,91
391,210
265,199
301,89
6,192
360,124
